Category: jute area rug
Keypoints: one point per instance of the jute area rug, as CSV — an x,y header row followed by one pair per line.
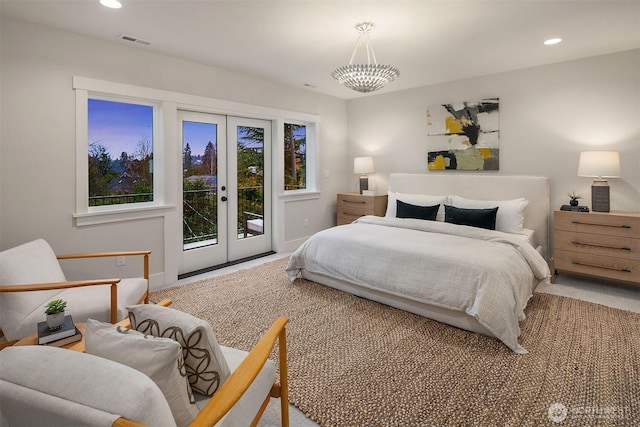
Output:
x,y
353,362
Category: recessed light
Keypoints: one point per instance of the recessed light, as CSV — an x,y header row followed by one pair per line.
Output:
x,y
553,41
113,4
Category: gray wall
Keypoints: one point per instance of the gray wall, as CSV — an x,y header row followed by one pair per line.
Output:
x,y
548,115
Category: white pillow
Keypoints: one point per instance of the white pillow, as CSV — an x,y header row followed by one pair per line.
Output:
x,y
418,200
510,218
206,366
158,358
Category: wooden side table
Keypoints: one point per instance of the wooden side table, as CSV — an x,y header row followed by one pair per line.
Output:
x,y
598,244
75,346
351,206
79,345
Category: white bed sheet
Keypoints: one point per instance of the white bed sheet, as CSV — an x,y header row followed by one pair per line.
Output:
x,y
494,273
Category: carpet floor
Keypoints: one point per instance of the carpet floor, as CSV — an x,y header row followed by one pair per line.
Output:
x,y
354,362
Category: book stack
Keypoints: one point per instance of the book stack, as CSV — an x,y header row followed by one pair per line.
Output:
x,y
65,334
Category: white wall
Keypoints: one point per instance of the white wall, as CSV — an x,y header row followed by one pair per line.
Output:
x,y
37,151
548,115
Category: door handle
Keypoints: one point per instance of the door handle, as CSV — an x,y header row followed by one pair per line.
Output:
x,y
223,188
223,198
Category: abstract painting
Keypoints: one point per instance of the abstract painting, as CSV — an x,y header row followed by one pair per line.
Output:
x,y
464,135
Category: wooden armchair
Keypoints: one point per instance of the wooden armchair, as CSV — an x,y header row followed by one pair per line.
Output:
x,y
30,276
30,377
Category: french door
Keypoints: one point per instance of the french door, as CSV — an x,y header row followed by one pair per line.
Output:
x,y
226,189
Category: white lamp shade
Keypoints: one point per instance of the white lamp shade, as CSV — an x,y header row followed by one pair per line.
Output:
x,y
363,165
602,164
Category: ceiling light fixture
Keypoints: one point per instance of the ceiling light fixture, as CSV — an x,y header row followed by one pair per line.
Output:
x,y
113,4
552,41
365,77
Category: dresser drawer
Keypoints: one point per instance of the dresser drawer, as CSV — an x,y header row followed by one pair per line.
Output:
x,y
597,265
596,244
596,223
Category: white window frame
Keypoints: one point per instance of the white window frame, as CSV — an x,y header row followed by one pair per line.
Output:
x,y
89,215
165,167
311,166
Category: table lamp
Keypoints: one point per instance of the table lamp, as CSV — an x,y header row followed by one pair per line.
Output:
x,y
600,165
363,166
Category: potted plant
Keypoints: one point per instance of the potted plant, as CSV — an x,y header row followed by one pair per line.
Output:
x,y
55,313
574,198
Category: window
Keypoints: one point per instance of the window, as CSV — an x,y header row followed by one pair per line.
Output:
x,y
295,157
120,152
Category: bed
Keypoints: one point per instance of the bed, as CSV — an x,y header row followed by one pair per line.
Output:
x,y
469,277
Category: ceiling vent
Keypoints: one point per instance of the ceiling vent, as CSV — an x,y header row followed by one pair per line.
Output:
x,y
132,39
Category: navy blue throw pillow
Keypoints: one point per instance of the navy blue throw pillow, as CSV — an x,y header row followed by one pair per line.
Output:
x,y
405,210
482,218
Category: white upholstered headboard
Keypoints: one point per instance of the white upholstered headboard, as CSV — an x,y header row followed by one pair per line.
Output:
x,y
486,187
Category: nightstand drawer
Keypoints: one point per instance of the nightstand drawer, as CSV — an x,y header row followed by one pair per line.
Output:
x,y
596,265
595,244
356,202
347,217
596,223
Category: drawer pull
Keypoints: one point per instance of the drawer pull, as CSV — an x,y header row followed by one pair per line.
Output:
x,y
606,267
354,201
595,245
599,225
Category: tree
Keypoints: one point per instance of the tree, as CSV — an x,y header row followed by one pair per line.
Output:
x,y
210,160
294,151
186,157
142,166
124,159
100,171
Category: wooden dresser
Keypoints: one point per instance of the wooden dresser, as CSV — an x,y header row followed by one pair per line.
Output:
x,y
352,206
598,244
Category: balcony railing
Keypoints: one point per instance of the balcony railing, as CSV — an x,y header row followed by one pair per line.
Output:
x,y
200,209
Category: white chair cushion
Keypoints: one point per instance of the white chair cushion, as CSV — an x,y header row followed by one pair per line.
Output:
x,y
20,316
158,358
32,262
206,365
32,391
244,411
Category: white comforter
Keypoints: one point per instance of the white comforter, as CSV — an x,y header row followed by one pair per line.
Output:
x,y
487,274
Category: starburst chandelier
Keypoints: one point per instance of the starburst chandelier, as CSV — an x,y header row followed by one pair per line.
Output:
x,y
365,77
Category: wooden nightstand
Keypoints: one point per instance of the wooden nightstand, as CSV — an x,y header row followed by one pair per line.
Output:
x,y
597,244
352,206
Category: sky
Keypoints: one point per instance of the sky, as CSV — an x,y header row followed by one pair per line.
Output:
x,y
198,136
119,126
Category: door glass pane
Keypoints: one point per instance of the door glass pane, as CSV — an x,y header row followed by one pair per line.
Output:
x,y
250,181
199,184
